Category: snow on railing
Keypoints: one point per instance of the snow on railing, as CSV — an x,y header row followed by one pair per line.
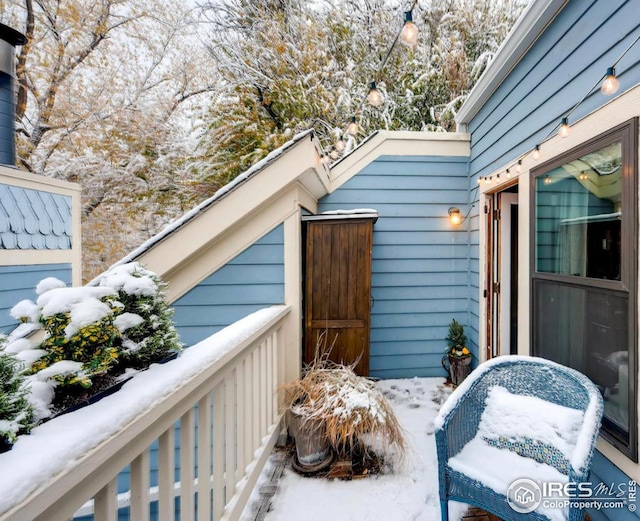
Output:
x,y
227,383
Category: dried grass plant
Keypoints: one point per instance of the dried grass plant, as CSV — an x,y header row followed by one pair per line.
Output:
x,y
352,408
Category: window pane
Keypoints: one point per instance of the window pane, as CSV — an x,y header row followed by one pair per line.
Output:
x,y
587,329
578,216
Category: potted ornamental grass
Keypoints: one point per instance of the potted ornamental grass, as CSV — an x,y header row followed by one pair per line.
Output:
x,y
457,361
332,411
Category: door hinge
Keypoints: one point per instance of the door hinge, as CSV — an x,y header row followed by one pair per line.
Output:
x,y
496,215
496,287
486,209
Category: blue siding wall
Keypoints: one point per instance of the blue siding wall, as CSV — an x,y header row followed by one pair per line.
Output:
x,y
18,283
603,471
7,147
251,281
420,261
569,58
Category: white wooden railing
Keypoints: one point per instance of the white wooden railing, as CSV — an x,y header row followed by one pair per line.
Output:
x,y
235,398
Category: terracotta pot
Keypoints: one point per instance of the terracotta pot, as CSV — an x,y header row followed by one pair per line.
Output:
x,y
458,369
313,451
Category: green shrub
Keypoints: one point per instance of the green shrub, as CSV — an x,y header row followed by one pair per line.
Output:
x,y
16,413
95,333
153,336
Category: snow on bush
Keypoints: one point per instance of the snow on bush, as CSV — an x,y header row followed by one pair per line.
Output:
x,y
91,333
16,413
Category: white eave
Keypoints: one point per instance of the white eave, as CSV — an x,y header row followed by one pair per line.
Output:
x,y
533,21
397,143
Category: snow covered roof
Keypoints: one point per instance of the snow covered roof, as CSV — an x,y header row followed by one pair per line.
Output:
x,y
220,194
530,25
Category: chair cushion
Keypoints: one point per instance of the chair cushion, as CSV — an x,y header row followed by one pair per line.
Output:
x,y
497,469
522,437
531,427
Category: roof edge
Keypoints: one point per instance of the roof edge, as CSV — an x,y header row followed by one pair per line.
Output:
x,y
536,17
398,143
221,193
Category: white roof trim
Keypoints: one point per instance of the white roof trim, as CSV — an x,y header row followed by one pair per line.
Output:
x,y
398,143
530,25
171,228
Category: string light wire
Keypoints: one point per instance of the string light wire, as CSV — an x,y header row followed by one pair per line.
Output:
x,y
382,65
553,131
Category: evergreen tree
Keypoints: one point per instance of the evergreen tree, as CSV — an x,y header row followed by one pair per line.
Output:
x,y
456,339
16,414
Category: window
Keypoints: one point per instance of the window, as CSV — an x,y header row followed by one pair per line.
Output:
x,y
584,271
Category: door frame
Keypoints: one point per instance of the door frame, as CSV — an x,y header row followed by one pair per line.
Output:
x,y
498,288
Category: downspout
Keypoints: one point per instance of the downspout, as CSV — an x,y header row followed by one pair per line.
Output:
x,y
9,39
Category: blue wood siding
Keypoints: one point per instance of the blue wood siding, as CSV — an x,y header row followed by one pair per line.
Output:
x,y
569,57
7,153
420,262
605,472
34,219
18,283
254,279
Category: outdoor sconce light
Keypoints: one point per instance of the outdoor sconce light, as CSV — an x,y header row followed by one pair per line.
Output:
x,y
455,216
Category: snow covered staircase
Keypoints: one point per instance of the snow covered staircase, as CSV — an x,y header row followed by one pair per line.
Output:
x,y
227,383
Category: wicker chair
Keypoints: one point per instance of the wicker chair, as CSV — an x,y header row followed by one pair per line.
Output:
x,y
517,417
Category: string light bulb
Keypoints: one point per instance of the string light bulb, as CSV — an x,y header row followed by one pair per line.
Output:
x,y
610,84
518,166
374,96
409,33
353,127
324,159
340,145
480,179
508,174
564,129
583,176
535,155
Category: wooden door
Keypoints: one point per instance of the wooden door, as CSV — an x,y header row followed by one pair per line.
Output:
x,y
338,290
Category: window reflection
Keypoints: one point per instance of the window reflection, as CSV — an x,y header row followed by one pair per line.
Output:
x,y
578,216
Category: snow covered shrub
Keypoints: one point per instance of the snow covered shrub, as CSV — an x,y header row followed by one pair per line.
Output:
x,y
92,335
79,326
146,322
16,413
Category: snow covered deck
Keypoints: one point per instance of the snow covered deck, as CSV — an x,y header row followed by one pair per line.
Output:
x,y
409,491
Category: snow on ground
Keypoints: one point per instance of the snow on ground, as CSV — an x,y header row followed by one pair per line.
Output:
x,y
410,493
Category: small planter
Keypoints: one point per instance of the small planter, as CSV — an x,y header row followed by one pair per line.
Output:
x,y
105,385
313,451
459,367
5,445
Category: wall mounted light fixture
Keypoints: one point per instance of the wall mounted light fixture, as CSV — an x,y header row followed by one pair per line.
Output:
x,y
455,216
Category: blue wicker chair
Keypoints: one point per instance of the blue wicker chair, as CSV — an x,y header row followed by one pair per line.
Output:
x,y
532,385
